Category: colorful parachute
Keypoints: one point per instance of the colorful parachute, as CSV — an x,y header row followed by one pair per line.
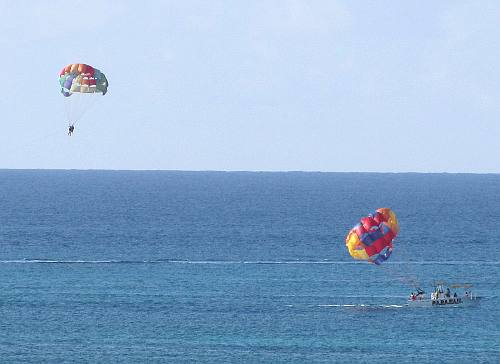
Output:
x,y
371,239
82,78
81,85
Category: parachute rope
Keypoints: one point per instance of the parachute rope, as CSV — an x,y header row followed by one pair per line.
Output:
x,y
372,240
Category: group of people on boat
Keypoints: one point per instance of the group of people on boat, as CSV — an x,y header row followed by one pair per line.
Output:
x,y
441,296
439,292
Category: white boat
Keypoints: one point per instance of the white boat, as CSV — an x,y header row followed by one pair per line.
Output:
x,y
441,297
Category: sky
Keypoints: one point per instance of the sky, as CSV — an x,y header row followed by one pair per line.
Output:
x,y
340,86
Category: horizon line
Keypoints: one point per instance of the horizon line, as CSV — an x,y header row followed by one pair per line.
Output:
x,y
242,171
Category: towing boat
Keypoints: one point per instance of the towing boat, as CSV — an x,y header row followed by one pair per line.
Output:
x,y
444,297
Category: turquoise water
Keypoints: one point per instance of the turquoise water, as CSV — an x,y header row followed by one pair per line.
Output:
x,y
219,267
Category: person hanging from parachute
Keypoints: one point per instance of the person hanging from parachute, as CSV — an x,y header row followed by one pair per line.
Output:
x,y
371,239
80,83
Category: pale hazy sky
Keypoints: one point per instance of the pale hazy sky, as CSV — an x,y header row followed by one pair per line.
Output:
x,y
256,85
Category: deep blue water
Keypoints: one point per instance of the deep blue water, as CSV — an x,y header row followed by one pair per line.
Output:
x,y
183,267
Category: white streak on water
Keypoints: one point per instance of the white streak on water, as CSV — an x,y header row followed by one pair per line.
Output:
x,y
222,262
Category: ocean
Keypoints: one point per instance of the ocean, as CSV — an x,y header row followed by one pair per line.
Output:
x,y
226,267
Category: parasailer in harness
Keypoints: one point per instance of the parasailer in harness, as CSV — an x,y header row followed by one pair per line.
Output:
x,y
71,129
420,294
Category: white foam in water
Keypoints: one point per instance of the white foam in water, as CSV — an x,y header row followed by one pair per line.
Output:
x,y
54,261
174,261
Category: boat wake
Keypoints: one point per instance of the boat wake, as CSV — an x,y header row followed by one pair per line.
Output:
x,y
355,306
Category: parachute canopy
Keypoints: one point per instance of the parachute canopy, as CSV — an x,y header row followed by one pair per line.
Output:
x,y
371,239
82,78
